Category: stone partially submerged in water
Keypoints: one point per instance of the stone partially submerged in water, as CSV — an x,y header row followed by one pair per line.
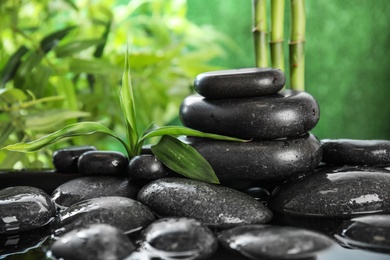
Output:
x,y
335,192
213,205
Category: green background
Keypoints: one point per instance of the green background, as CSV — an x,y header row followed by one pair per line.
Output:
x,y
347,59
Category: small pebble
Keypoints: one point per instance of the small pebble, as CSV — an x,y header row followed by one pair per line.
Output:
x,y
65,160
103,163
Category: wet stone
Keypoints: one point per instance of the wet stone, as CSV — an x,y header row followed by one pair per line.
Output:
x,y
287,113
179,236
274,242
147,167
248,82
258,193
103,163
356,152
368,232
95,242
123,213
260,160
335,192
213,205
65,160
24,208
84,188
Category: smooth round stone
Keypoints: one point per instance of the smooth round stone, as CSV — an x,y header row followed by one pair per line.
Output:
x,y
368,232
274,242
123,213
356,152
103,163
260,160
24,208
147,167
181,237
341,192
65,160
95,242
85,188
213,205
248,82
288,113
258,193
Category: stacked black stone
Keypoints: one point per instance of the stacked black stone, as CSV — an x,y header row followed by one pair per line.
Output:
x,y
249,104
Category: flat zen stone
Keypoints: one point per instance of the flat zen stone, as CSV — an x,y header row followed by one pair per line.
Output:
x,y
336,192
103,163
84,188
260,160
65,160
356,152
213,205
248,82
274,242
287,113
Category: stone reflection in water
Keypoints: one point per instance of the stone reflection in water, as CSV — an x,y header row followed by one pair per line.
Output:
x,y
368,232
274,242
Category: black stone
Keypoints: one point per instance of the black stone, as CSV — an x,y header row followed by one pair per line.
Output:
x,y
123,213
84,188
368,232
341,192
213,205
288,113
248,82
260,160
356,152
183,236
24,208
95,242
103,163
274,242
147,167
65,160
258,193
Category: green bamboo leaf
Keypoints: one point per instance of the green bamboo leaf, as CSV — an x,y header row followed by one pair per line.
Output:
x,y
94,66
184,159
76,46
48,120
77,129
51,40
12,95
12,64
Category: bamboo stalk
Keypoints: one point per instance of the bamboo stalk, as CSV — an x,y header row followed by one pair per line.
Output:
x,y
277,34
260,32
297,41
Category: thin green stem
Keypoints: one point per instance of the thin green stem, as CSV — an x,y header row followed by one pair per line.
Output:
x,y
297,41
277,32
260,32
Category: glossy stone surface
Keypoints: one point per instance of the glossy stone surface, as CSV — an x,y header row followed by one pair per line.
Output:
x,y
182,236
95,242
84,188
356,152
248,82
335,192
147,167
260,160
65,160
102,163
368,232
123,213
24,208
274,242
288,113
213,205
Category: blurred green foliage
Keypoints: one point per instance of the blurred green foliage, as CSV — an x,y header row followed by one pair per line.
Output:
x,y
347,59
62,61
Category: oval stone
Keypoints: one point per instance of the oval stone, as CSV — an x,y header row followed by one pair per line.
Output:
x,y
356,152
24,208
85,188
147,167
368,232
288,113
123,213
248,82
340,192
103,163
65,160
181,236
274,242
95,242
260,160
213,205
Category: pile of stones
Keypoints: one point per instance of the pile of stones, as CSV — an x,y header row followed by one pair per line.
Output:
x,y
138,209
